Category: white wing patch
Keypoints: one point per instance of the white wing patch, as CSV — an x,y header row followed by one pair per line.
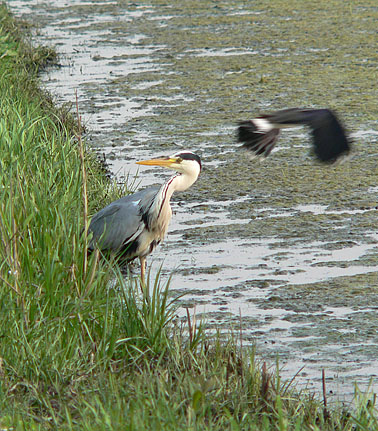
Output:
x,y
262,124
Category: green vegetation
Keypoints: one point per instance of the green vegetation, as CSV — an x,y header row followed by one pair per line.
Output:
x,y
79,348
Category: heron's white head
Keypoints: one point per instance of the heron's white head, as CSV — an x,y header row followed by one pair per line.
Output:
x,y
186,163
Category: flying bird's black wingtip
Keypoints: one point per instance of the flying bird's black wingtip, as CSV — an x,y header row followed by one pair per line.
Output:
x,y
333,156
259,143
330,139
245,131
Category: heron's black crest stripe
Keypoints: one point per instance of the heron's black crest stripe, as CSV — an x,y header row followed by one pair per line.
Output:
x,y
190,156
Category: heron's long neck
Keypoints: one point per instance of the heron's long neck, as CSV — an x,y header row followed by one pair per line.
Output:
x,y
178,182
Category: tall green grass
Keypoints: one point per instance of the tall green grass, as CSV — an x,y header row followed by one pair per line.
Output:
x,y
80,347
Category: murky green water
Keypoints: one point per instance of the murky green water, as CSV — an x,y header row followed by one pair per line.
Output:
x,y
288,244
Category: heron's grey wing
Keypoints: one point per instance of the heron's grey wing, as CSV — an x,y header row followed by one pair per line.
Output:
x,y
114,226
121,222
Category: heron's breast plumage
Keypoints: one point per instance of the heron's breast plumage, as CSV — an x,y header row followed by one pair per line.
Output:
x,y
156,226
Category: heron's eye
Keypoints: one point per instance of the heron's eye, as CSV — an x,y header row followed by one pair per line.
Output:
x,y
179,160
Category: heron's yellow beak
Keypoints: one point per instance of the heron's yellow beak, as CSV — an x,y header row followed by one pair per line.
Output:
x,y
161,161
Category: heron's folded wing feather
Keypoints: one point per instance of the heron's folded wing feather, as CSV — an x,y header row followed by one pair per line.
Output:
x,y
115,225
121,222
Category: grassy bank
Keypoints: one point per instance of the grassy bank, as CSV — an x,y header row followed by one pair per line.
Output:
x,y
79,348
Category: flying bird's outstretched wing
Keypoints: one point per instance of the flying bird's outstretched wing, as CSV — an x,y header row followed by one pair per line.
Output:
x,y
260,134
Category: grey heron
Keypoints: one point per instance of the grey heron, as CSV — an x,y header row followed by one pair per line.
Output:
x,y
134,225
260,134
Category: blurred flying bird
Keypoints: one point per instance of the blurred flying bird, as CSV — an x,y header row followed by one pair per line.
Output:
x,y
134,225
260,134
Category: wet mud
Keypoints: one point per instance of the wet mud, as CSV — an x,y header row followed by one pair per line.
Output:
x,y
286,248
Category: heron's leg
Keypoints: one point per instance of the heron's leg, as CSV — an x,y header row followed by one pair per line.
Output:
x,y
143,265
